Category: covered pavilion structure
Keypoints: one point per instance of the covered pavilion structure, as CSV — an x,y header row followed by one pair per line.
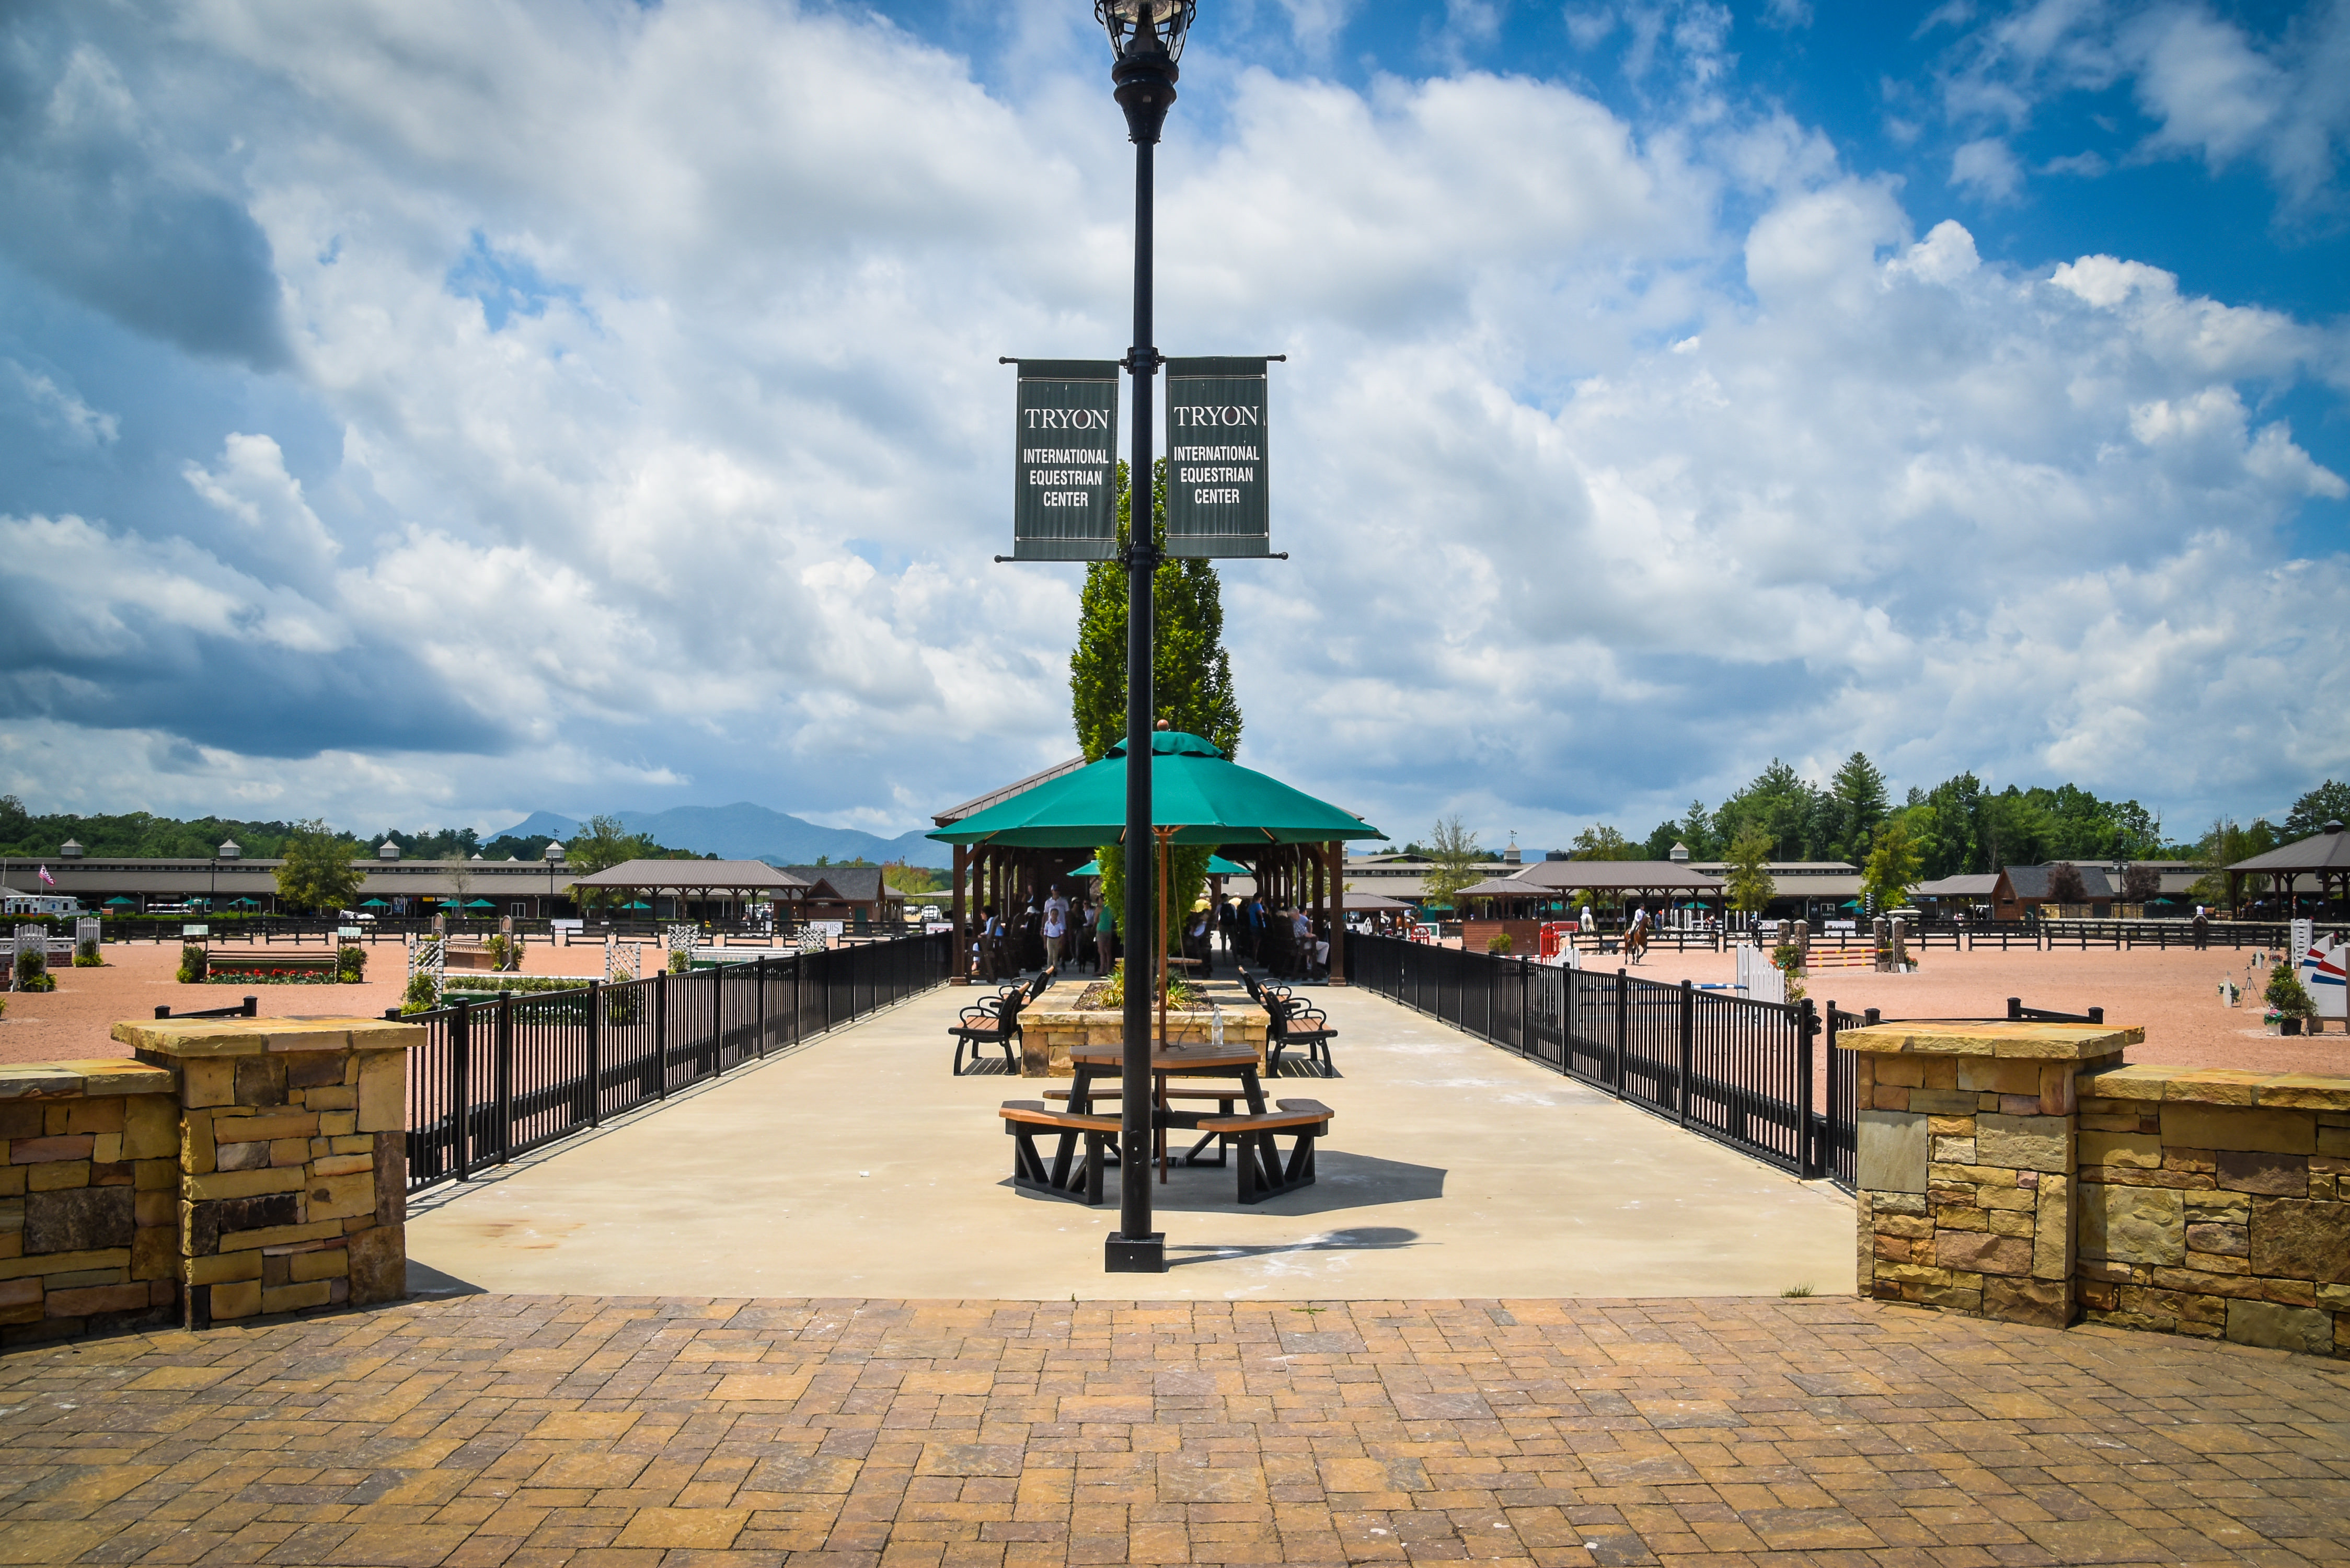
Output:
x,y
1011,866
2324,856
1529,895
699,889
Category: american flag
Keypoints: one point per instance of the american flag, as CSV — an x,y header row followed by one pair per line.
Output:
x,y
47,879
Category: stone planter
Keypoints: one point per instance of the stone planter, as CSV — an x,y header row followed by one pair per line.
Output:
x,y
1047,1036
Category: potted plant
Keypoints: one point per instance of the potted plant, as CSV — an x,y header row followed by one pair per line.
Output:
x,y
2289,1001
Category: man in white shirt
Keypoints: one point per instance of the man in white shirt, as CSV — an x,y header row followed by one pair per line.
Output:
x,y
1056,925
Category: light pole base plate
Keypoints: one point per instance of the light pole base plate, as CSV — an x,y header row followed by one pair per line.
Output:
x,y
1135,1254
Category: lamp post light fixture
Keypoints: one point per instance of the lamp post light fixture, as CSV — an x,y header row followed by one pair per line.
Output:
x,y
554,863
1145,38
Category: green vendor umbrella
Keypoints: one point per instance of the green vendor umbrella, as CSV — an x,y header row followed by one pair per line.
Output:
x,y
1217,867
373,904
1194,789
480,904
119,899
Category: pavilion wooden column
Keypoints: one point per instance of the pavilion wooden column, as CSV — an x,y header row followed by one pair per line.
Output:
x,y
1339,913
959,966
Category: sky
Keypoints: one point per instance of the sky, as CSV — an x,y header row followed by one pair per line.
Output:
x,y
426,411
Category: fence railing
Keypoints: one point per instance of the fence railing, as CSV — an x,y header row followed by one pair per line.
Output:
x,y
497,1079
1738,1072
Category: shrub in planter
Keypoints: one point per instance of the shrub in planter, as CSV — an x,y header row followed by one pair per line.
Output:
x,y
681,962
194,963
33,973
86,954
1788,959
1499,942
422,995
350,964
2288,998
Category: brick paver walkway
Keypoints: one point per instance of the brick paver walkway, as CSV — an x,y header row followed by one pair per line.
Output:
x,y
529,1430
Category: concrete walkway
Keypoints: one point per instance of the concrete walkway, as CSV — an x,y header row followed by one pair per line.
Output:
x,y
859,1166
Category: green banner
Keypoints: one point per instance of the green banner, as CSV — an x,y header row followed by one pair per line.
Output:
x,y
1064,462
1217,499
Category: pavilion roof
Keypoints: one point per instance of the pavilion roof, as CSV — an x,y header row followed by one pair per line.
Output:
x,y
2326,851
1596,875
1973,885
955,814
731,875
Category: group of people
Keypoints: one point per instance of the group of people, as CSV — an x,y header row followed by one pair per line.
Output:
x,y
1082,930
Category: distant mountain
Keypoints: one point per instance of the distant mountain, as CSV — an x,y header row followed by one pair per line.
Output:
x,y
747,832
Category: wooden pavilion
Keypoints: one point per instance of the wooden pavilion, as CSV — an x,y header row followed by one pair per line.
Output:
x,y
2324,856
700,889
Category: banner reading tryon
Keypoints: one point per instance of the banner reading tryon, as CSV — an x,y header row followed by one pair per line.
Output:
x,y
1064,462
1217,502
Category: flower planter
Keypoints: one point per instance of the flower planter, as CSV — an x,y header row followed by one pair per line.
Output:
x,y
2289,1026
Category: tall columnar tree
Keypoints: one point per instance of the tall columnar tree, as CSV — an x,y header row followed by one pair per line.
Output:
x,y
1191,677
1750,887
1453,854
1858,791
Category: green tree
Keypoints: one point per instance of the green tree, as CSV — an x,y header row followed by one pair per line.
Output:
x,y
601,844
1892,869
1453,854
1601,842
1191,672
317,873
1857,795
1783,805
1750,885
1191,678
2329,802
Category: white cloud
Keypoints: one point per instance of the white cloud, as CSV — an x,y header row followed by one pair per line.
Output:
x,y
646,334
1988,167
62,413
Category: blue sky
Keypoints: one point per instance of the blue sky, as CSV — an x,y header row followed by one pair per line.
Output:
x,y
431,411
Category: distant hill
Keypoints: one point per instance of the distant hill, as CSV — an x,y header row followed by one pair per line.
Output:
x,y
747,832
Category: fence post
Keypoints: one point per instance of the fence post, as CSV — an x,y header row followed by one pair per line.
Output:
x,y
460,1109
505,1076
1623,1028
595,1053
1689,1045
1525,997
759,1006
660,1033
1807,1163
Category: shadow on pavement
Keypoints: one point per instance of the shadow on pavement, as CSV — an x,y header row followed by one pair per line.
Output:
x,y
1359,1239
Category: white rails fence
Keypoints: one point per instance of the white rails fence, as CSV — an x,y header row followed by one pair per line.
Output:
x,y
1758,979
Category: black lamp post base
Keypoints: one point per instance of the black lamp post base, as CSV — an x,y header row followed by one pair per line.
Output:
x,y
1135,1254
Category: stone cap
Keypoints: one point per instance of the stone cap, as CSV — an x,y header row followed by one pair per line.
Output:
x,y
2033,1042
185,1037
70,1080
2218,1086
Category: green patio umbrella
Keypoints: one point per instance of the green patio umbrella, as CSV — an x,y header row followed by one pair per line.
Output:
x,y
640,904
373,904
119,899
480,904
1217,867
1194,789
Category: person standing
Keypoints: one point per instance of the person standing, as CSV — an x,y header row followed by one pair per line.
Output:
x,y
1056,924
1106,938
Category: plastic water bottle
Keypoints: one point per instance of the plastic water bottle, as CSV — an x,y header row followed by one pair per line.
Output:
x,y
1215,1023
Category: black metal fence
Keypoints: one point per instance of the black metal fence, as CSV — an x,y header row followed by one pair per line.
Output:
x,y
1742,1072
495,1079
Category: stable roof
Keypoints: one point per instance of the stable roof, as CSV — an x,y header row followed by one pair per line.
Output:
x,y
681,875
1596,875
1975,885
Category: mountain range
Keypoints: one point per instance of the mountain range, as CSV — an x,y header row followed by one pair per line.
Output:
x,y
747,832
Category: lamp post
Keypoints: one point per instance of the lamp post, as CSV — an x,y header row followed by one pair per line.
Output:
x,y
1146,37
554,863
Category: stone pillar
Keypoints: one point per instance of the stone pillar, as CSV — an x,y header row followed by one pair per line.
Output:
x,y
293,1160
1969,1138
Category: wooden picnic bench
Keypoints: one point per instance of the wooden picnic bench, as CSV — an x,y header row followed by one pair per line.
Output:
x,y
1063,1177
1263,1172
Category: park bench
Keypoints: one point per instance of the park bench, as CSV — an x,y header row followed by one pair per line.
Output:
x,y
1263,995
995,1021
1263,1172
1225,1095
1024,1119
1290,1022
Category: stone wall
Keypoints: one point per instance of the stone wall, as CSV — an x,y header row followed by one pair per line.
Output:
x,y
1046,1037
88,1214
2020,1171
2218,1203
239,1167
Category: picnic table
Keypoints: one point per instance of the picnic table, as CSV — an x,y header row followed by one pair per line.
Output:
x,y
1188,1061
